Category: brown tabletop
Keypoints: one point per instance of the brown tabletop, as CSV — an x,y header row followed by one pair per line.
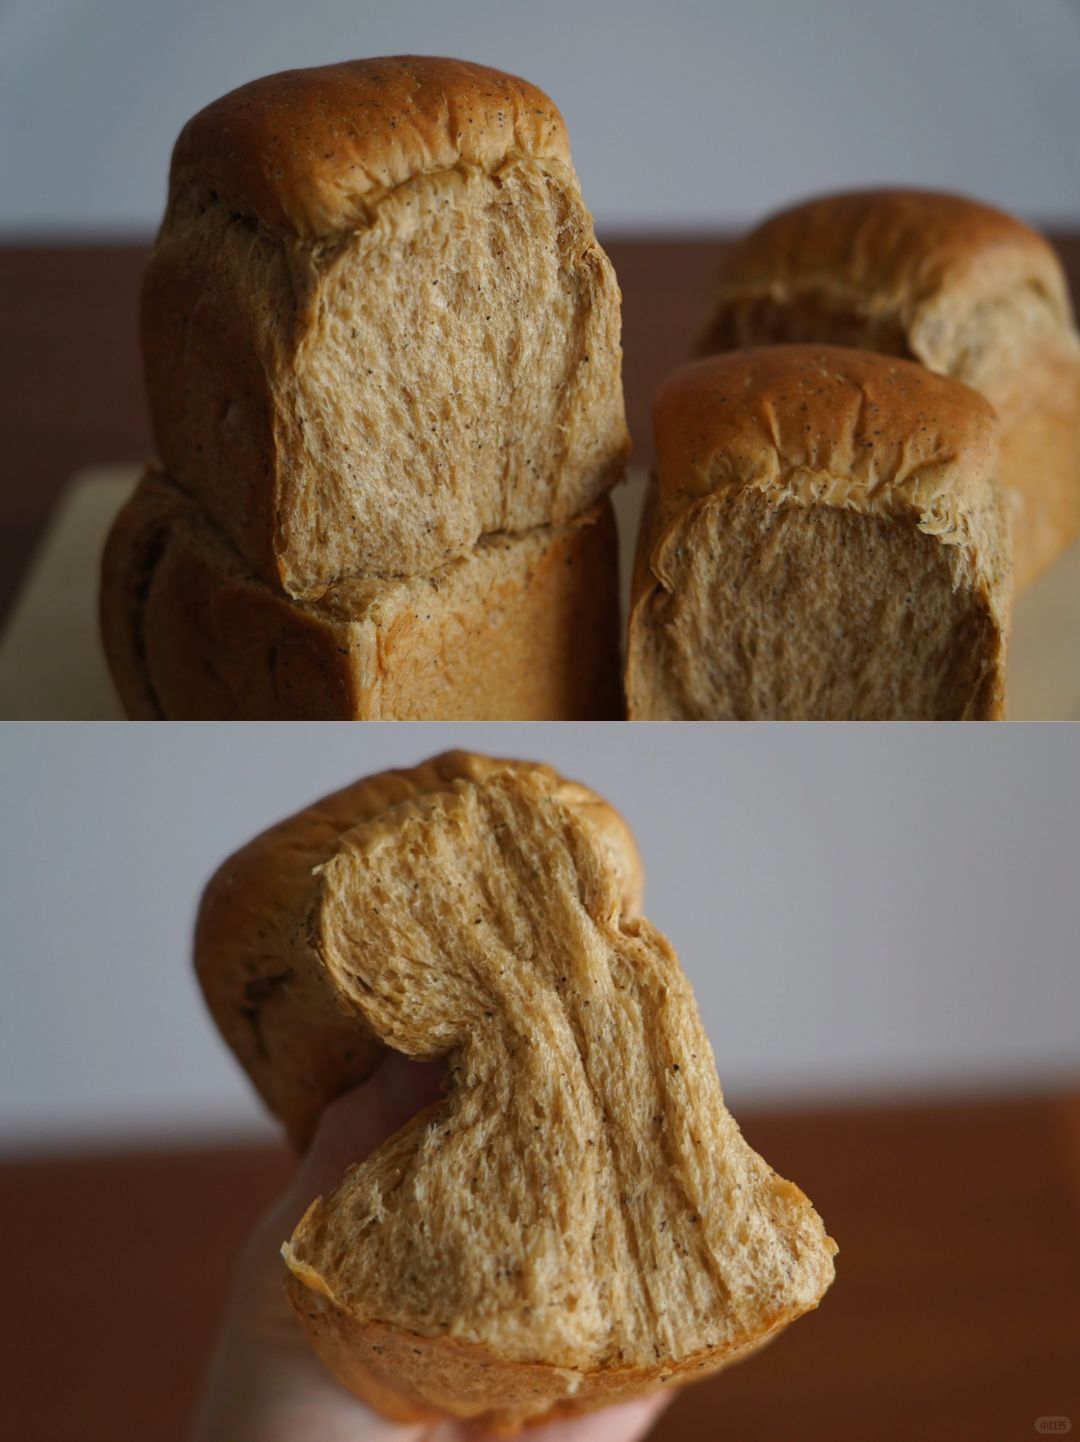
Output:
x,y
955,1314
71,390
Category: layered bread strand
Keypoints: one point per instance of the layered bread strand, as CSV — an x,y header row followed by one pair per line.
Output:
x,y
579,1220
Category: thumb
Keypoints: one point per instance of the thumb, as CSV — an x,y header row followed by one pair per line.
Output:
x,y
357,1122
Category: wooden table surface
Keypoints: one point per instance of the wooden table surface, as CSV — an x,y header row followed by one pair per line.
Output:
x,y
71,388
955,1316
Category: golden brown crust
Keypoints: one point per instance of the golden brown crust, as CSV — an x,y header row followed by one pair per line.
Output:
x,y
824,539
263,980
911,259
825,424
524,628
411,1378
306,151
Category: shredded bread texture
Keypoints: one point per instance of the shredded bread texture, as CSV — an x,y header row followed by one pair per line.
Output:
x,y
579,1219
824,539
377,324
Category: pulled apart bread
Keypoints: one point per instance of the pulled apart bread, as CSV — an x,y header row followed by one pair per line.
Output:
x,y
823,540
965,290
521,627
579,1220
377,324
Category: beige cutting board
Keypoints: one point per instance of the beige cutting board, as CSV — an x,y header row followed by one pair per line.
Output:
x,y
51,666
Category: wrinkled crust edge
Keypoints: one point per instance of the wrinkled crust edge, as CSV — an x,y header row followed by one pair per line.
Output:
x,y
461,1379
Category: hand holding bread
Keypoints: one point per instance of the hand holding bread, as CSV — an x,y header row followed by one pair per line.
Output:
x,y
264,1383
579,1221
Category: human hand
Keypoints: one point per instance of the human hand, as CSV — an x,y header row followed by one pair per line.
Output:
x,y
265,1384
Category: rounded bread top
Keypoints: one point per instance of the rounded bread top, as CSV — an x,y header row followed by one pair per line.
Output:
x,y
824,424
261,974
893,252
969,287
307,151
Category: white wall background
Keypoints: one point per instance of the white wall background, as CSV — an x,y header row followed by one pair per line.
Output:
x,y
683,113
862,910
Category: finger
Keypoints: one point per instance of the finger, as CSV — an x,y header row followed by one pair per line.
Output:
x,y
626,1422
356,1123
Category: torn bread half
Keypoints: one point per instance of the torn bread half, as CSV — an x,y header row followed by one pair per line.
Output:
x,y
823,540
377,324
579,1220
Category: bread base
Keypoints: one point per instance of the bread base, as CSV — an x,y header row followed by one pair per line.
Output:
x,y
409,1378
523,628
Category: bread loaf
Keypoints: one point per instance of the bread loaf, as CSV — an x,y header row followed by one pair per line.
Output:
x,y
377,325
579,1220
521,628
964,289
823,541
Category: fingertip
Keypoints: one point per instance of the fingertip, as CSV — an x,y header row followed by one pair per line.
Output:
x,y
360,1120
624,1422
